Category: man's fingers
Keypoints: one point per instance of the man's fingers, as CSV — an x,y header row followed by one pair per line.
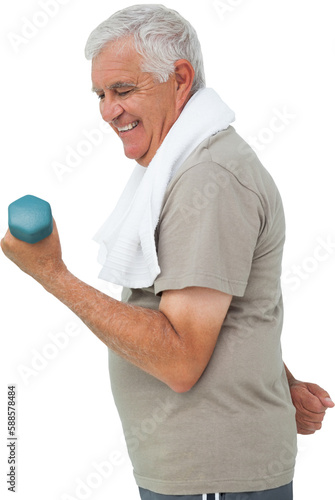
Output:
x,y
317,412
309,420
314,419
327,402
304,432
7,242
311,403
307,427
322,395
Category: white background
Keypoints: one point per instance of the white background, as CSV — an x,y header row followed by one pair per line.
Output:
x,y
263,57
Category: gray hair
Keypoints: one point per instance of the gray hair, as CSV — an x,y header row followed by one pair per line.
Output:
x,y
161,35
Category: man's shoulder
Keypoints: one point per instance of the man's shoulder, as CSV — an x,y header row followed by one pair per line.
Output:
x,y
227,151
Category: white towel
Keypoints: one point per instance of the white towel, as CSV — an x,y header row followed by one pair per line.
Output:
x,y
128,252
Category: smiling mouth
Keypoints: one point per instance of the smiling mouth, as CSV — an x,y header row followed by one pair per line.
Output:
x,y
126,128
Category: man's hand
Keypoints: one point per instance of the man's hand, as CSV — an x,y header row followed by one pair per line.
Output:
x,y
40,260
311,402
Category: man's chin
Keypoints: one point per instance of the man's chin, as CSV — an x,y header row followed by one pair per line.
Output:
x,y
133,155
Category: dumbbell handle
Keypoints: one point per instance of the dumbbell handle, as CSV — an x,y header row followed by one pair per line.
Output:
x,y
30,219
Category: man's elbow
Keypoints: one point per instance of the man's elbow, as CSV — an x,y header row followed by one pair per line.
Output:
x,y
185,381
181,387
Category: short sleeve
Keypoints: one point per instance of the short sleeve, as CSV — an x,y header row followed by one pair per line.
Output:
x,y
208,231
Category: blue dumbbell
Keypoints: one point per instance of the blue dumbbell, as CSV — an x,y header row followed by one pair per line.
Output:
x,y
30,219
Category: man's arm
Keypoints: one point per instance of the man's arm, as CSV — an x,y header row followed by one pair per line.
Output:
x,y
311,403
173,344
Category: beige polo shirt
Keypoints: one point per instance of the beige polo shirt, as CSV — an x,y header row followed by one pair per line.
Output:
x,y
221,226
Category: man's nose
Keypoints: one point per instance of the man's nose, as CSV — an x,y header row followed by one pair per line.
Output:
x,y
110,110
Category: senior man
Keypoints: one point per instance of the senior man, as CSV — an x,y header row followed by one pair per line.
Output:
x,y
196,240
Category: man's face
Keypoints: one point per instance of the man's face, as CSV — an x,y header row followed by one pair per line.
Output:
x,y
140,110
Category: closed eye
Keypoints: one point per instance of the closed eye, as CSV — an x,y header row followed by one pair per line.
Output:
x,y
122,94
101,95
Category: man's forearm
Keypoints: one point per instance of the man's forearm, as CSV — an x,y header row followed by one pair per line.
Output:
x,y
144,337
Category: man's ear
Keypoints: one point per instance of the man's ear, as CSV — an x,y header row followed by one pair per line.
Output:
x,y
184,75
